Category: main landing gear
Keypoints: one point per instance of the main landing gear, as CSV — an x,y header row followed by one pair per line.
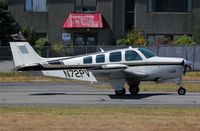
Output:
x,y
181,91
133,89
120,92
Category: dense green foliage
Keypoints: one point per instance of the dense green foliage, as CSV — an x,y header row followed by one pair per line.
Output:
x,y
58,49
184,40
133,37
8,24
29,34
40,44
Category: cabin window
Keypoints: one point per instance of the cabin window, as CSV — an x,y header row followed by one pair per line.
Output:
x,y
147,53
115,57
87,60
100,58
132,56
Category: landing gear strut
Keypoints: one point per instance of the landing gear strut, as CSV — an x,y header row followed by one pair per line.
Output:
x,y
181,90
134,89
120,92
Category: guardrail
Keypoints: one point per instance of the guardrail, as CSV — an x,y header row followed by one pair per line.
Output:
x,y
188,52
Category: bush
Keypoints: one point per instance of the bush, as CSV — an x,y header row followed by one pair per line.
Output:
x,y
133,38
40,44
121,42
184,40
29,34
58,49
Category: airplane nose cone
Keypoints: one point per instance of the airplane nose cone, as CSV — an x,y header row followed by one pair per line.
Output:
x,y
187,64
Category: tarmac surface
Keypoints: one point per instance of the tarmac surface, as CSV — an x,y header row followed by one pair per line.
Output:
x,y
6,65
69,94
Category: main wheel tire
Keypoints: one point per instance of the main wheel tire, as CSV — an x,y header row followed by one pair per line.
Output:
x,y
134,89
181,91
120,92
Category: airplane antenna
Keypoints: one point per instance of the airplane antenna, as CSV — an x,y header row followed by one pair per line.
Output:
x,y
101,50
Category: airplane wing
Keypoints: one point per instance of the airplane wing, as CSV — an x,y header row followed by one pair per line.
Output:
x,y
132,73
118,71
114,66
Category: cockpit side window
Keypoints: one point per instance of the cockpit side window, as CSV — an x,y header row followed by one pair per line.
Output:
x,y
115,56
87,60
131,55
147,53
100,58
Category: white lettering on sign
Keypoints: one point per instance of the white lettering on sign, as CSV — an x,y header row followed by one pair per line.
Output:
x,y
76,73
86,20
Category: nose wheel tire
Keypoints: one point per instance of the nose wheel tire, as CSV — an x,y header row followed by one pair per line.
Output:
x,y
181,91
120,92
134,89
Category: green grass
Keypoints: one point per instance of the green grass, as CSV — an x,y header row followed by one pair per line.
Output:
x,y
99,110
13,74
152,87
15,77
19,77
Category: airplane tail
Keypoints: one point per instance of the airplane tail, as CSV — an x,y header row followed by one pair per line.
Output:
x,y
24,54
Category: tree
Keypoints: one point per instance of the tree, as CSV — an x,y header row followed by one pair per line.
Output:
x,y
8,24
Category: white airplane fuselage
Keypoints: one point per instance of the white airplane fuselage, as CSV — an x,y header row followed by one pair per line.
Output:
x,y
157,68
131,65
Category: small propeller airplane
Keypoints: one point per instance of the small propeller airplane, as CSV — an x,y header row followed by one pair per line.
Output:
x,y
129,65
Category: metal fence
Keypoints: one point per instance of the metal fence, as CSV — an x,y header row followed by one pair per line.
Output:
x,y
188,52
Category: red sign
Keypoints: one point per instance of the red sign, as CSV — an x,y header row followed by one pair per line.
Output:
x,y
84,20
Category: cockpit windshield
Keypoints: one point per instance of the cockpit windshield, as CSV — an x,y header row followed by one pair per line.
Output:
x,y
147,53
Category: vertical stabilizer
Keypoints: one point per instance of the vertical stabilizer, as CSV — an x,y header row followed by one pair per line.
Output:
x,y
24,54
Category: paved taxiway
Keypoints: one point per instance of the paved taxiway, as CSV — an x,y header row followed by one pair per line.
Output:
x,y
83,94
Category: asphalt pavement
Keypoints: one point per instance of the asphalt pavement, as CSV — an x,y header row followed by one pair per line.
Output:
x,y
83,94
6,65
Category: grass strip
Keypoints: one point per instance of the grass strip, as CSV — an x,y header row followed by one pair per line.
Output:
x,y
99,118
14,77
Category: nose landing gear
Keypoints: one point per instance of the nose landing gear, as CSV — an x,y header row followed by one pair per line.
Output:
x,y
181,90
